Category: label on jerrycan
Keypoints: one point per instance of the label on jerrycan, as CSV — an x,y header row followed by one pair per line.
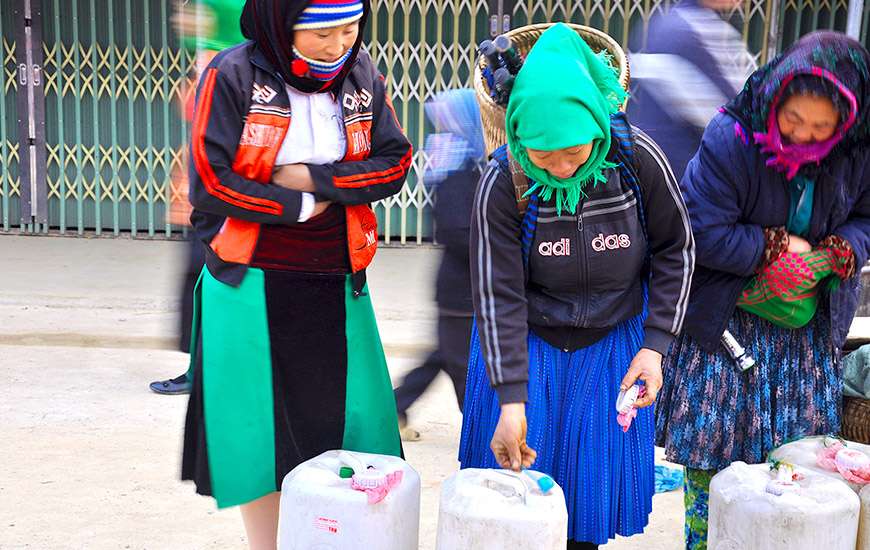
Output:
x,y
326,524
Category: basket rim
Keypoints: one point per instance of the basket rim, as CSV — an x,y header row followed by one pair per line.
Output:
x,y
621,59
857,402
855,425
492,114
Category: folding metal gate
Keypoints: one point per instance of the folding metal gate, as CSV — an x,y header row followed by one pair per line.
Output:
x,y
89,124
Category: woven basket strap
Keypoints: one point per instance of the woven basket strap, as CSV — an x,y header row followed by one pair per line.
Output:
x,y
520,181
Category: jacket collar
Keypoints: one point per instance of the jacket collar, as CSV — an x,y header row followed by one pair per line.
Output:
x,y
258,58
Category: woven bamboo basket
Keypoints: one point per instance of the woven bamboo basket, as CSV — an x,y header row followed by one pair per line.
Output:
x,y
856,420
492,115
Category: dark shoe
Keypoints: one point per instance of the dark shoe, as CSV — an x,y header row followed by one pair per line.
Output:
x,y
175,386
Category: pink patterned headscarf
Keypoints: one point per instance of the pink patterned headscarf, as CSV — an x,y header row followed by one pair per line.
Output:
x,y
790,158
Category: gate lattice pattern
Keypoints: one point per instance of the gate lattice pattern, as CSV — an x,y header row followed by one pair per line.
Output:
x,y
10,183
114,70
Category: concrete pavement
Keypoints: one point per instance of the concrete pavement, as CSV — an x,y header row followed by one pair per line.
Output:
x,y
90,457
123,293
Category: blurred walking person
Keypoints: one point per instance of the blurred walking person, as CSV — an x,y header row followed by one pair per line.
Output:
x,y
208,26
456,154
694,62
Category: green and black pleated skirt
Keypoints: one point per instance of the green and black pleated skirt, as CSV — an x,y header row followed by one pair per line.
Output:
x,y
286,366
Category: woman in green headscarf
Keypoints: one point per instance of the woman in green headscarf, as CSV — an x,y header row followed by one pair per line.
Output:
x,y
577,294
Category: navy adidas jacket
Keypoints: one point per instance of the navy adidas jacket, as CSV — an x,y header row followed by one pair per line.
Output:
x,y
584,273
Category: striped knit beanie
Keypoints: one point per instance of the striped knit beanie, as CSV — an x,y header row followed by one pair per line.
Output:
x,y
323,14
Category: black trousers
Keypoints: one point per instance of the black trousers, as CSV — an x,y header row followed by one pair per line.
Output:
x,y
195,261
451,356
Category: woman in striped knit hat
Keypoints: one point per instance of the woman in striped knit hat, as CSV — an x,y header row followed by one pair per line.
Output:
x,y
287,360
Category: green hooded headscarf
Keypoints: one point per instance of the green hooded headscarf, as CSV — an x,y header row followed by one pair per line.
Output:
x,y
563,96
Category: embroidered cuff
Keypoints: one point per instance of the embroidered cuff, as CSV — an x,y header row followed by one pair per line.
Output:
x,y
846,264
775,245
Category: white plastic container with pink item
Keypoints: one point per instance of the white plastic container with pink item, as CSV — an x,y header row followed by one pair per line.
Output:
x,y
485,509
752,509
805,453
377,508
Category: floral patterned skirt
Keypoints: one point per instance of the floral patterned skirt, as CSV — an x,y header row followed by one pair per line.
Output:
x,y
709,414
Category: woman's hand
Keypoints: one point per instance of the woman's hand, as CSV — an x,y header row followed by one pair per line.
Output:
x,y
647,366
797,244
295,177
320,208
509,440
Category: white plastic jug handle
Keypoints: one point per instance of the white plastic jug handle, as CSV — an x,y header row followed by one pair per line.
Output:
x,y
349,460
498,478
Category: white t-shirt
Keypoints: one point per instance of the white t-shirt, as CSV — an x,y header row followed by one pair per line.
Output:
x,y
316,136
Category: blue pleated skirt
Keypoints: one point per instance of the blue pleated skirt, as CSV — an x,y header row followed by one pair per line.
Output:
x,y
608,476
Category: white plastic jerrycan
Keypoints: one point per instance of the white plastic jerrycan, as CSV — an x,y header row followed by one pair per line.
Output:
x,y
485,509
864,522
323,508
752,508
803,453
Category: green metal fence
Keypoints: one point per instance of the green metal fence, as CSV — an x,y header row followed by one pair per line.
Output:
x,y
113,71
424,47
798,17
9,180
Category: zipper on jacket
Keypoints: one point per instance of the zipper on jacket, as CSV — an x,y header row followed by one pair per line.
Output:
x,y
581,271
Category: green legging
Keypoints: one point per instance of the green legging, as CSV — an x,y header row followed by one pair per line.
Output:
x,y
695,498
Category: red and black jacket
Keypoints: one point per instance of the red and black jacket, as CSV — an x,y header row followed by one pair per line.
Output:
x,y
242,115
